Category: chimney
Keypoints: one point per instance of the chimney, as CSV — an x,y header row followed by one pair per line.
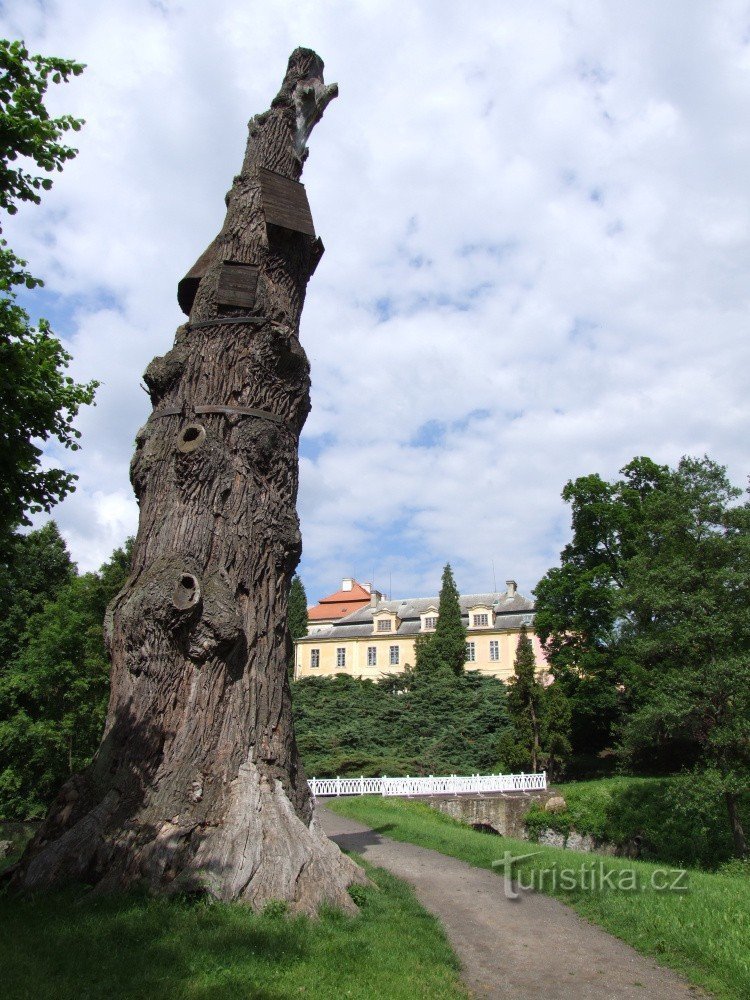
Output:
x,y
511,591
367,587
347,583
374,599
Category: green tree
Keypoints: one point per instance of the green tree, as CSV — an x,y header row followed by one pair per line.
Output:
x,y
520,747
655,578
53,693
555,730
446,647
38,400
32,570
414,722
539,735
705,711
297,615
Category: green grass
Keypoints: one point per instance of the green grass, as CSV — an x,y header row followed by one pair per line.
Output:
x,y
703,933
71,947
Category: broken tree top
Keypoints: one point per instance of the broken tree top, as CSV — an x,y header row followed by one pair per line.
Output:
x,y
283,204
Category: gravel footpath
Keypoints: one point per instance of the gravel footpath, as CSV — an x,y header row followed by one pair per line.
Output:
x,y
530,947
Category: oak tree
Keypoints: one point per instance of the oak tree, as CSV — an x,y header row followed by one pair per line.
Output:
x,y
198,784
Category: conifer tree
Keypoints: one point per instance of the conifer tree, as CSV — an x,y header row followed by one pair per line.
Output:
x,y
556,725
539,737
524,706
296,616
446,648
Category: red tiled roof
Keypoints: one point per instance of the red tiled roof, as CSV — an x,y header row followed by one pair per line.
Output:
x,y
343,602
323,612
356,595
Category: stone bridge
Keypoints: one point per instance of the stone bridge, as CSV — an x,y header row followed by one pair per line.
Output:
x,y
501,812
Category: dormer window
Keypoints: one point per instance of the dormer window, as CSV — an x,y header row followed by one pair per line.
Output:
x,y
429,618
384,621
480,616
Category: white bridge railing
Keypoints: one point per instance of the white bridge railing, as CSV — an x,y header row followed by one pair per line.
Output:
x,y
451,785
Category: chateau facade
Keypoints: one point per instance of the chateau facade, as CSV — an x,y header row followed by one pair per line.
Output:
x,y
378,638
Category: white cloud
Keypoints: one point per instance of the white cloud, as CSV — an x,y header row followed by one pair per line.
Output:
x,y
536,221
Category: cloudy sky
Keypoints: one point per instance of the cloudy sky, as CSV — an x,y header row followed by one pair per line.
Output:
x,y
536,221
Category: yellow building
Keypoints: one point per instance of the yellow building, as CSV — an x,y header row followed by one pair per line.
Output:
x,y
379,638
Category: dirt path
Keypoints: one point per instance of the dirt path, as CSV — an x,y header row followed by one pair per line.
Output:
x,y
531,947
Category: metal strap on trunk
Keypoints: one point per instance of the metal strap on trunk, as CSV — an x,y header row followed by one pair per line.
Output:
x,y
229,411
227,321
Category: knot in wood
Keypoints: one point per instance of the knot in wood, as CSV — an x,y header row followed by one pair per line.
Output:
x,y
187,592
191,438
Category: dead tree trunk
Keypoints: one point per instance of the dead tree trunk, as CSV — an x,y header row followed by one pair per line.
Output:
x,y
198,783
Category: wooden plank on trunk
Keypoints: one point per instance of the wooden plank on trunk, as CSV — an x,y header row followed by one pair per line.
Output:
x,y
285,203
237,285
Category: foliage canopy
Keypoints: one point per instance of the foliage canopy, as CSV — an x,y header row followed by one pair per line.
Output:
x,y
55,684
38,400
418,722
656,578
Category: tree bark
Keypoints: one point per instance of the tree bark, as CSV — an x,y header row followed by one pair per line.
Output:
x,y
738,833
198,784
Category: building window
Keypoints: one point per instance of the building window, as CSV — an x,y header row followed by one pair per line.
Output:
x,y
384,624
314,657
481,620
372,656
341,656
471,652
394,656
494,650
430,622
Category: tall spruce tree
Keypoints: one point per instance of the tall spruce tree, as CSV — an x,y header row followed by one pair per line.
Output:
x,y
555,730
539,735
297,616
446,647
520,746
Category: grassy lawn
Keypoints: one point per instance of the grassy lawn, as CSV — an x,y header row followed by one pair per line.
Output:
x,y
64,946
703,933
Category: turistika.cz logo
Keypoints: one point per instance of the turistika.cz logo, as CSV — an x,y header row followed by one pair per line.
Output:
x,y
590,876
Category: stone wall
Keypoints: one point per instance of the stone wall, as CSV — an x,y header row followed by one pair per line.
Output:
x,y
505,814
